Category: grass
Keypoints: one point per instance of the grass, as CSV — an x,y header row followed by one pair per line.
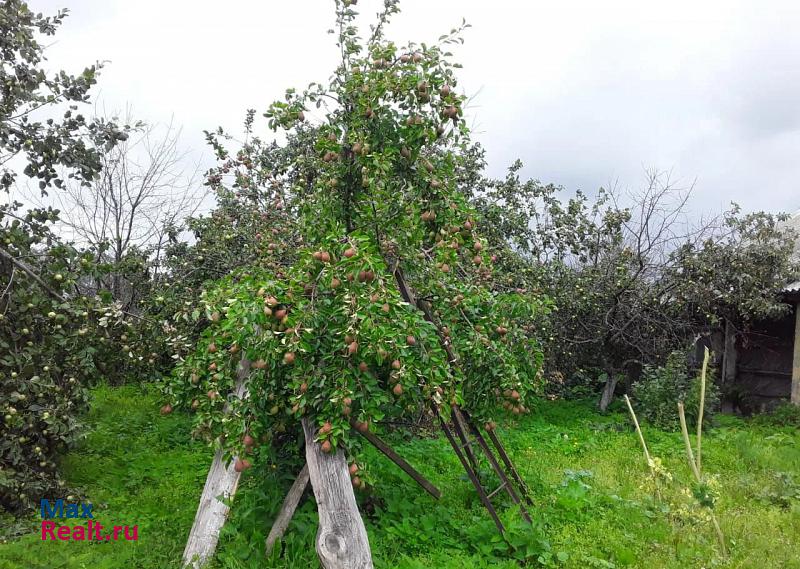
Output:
x,y
585,470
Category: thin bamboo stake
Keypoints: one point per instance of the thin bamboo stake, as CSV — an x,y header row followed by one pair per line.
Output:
x,y
639,432
687,442
698,476
700,413
650,464
720,535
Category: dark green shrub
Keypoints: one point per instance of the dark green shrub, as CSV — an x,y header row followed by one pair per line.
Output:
x,y
784,415
660,389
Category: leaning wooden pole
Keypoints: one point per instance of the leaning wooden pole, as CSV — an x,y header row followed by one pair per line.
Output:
x,y
639,432
290,504
221,484
463,446
501,451
342,541
379,444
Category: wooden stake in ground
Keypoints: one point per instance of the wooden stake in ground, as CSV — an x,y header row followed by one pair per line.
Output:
x,y
639,432
287,510
342,541
221,484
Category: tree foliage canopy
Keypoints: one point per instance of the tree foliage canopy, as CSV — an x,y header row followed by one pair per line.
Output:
x,y
389,303
53,340
48,146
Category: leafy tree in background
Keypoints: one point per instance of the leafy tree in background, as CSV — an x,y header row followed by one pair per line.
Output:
x,y
736,275
631,278
601,262
733,280
53,341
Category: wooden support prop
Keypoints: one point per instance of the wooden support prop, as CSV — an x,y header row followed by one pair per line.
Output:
x,y
473,476
290,504
506,483
408,296
464,450
501,451
221,484
342,541
399,461
461,432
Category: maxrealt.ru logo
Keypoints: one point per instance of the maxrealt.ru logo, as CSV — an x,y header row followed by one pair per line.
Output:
x,y
90,531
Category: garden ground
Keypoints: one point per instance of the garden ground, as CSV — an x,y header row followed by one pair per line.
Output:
x,y
586,472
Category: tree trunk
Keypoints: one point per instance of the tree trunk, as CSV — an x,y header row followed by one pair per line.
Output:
x,y
221,484
608,391
342,541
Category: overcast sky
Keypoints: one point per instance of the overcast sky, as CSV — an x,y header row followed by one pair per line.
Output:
x,y
586,93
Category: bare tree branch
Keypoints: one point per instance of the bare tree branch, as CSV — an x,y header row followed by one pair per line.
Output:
x,y
147,187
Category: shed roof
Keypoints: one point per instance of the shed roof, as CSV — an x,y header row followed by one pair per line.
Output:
x,y
793,287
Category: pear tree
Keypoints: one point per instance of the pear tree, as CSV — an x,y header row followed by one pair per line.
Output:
x,y
377,299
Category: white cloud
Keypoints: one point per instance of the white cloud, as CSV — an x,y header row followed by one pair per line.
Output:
x,y
583,92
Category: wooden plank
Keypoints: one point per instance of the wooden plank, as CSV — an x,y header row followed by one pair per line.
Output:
x,y
399,461
342,541
730,356
796,358
221,484
765,372
287,510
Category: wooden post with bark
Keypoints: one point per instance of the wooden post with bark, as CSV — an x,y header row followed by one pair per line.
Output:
x,y
796,358
342,541
221,484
